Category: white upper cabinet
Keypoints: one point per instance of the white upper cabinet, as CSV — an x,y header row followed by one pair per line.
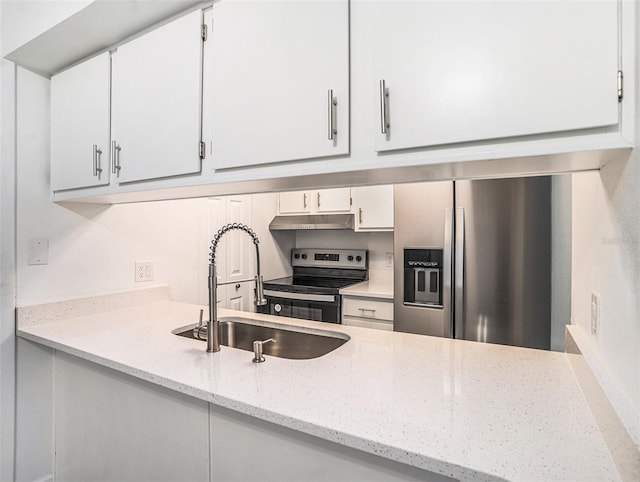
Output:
x,y
278,80
317,202
294,202
80,125
156,118
332,200
374,208
466,71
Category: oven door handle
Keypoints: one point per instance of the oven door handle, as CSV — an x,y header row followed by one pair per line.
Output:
x,y
300,296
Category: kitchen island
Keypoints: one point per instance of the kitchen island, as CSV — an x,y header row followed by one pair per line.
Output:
x,y
417,407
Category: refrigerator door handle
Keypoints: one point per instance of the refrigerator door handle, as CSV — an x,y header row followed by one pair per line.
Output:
x,y
446,273
458,295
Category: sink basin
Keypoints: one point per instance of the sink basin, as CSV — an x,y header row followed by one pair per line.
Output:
x,y
295,343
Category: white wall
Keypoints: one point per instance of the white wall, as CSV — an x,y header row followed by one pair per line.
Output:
x,y
378,245
606,261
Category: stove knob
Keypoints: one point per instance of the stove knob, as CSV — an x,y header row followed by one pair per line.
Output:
x,y
296,256
277,308
358,258
304,256
350,258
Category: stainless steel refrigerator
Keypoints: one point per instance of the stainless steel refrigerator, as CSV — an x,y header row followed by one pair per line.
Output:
x,y
472,260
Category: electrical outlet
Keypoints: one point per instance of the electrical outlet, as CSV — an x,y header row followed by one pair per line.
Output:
x,y
144,271
39,251
595,312
388,260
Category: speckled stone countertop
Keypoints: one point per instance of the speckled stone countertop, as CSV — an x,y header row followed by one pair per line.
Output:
x,y
370,289
467,410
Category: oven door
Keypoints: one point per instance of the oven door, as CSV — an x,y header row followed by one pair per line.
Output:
x,y
316,307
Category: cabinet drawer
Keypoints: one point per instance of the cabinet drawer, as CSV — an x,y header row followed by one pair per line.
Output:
x,y
375,309
368,323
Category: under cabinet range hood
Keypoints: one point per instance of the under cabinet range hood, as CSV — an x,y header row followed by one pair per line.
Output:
x,y
312,221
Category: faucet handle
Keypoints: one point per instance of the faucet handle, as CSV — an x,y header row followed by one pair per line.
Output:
x,y
257,350
198,330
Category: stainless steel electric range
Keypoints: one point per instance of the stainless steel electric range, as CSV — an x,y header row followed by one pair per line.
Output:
x,y
312,293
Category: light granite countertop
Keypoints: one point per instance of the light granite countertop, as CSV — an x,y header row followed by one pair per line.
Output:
x,y
370,289
467,410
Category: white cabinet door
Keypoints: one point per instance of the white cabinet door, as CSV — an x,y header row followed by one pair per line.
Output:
x,y
321,201
374,208
80,125
333,200
157,101
464,71
294,202
138,421
272,65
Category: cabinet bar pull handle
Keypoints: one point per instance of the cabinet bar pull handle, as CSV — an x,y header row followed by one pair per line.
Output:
x,y
384,96
318,196
97,154
115,158
360,215
304,200
372,310
332,101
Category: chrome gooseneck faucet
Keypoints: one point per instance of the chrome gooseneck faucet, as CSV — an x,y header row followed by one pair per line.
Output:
x,y
213,325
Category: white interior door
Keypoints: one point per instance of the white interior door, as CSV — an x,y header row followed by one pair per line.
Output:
x,y
240,247
217,219
240,296
467,70
272,65
80,120
157,82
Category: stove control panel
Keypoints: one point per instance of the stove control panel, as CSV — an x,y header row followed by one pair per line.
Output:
x,y
329,258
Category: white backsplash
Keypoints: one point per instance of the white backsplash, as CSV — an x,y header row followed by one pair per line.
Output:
x,y
378,244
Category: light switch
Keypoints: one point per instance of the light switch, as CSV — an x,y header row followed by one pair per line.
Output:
x,y
39,251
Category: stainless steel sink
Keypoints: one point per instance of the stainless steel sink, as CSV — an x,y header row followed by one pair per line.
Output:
x,y
295,343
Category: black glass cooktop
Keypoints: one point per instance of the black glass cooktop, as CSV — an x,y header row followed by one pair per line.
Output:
x,y
300,283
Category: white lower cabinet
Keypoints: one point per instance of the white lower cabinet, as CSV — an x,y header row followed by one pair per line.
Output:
x,y
367,312
110,426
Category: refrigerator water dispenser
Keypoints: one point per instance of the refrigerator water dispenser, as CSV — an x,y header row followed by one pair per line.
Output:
x,y
423,277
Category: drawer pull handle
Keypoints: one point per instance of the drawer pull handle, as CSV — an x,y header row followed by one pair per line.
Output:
x,y
372,310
